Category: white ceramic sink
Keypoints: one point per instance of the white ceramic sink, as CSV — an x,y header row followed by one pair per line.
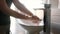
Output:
x,y
32,28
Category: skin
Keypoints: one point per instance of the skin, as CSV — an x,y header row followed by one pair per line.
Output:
x,y
21,7
6,10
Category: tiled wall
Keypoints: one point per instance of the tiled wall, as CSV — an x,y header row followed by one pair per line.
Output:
x,y
55,15
55,12
54,3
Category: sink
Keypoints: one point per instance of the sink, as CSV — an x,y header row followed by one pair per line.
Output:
x,y
32,28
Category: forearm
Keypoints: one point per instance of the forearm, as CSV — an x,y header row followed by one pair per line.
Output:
x,y
5,9
21,7
16,14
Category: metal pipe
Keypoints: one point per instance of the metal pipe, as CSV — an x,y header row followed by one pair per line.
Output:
x,y
47,19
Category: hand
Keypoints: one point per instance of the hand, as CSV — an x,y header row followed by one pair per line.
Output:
x,y
36,18
30,14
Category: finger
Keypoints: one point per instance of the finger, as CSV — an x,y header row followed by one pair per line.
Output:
x,y
35,21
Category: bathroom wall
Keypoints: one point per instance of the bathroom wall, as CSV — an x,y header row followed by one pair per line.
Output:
x,y
55,15
55,11
54,3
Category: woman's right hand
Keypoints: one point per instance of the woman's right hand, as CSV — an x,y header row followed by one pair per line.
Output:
x,y
34,19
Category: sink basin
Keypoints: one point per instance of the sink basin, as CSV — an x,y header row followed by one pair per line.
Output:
x,y
32,28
